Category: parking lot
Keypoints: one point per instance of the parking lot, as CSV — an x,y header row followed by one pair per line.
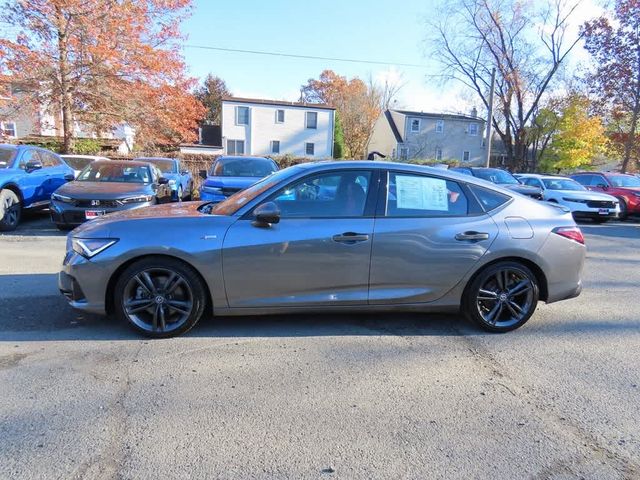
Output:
x,y
322,396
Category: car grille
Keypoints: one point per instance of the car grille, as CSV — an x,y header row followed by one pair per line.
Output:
x,y
100,203
228,191
601,204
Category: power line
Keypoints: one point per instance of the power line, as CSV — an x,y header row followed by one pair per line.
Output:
x,y
308,57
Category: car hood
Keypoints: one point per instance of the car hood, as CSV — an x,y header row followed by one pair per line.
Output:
x,y
230,182
524,189
102,190
582,195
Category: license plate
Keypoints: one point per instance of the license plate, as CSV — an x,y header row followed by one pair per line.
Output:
x,y
603,211
89,214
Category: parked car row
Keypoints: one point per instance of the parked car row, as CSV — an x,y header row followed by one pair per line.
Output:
x,y
77,188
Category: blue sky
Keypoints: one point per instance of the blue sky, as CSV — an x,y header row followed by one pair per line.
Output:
x,y
381,30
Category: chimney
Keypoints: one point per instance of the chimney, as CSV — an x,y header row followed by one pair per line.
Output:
x,y
474,112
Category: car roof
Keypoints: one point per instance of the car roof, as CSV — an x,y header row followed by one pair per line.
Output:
x,y
241,157
73,155
149,159
133,163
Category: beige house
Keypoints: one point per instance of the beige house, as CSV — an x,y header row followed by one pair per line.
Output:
x,y
405,135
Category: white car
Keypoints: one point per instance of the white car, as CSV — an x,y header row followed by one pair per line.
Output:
x,y
583,203
78,162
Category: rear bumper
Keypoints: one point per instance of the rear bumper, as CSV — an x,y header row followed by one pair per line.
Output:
x,y
563,265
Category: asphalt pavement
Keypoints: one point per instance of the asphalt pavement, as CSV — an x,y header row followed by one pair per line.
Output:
x,y
365,396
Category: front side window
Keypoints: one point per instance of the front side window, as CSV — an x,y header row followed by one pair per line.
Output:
x,y
29,155
598,180
333,194
279,116
583,179
532,182
311,119
7,156
415,125
242,115
235,147
49,160
439,126
275,146
410,195
309,148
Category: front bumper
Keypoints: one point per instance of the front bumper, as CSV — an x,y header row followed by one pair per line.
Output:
x,y
76,271
66,214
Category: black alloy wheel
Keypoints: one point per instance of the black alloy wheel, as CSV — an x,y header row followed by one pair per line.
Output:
x,y
502,297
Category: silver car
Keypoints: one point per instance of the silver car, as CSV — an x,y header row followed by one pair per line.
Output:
x,y
334,236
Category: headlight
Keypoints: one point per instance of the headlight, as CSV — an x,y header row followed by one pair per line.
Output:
x,y
136,199
90,247
214,190
172,182
61,198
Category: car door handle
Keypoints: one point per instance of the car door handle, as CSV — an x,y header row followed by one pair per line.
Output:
x,y
350,237
472,236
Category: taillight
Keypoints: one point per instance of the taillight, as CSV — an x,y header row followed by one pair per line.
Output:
x,y
572,233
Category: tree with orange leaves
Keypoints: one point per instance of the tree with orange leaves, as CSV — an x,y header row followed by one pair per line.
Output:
x,y
102,63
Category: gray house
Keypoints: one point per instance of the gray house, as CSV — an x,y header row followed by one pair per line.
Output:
x,y
405,135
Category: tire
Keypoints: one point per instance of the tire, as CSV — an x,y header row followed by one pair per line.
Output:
x,y
623,210
10,210
487,303
167,314
63,227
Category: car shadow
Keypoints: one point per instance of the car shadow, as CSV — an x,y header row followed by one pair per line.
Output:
x,y
613,230
35,224
32,310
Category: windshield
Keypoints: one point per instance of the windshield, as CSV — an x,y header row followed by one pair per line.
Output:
x,y
165,166
624,181
6,157
496,176
561,184
238,200
115,172
77,163
243,167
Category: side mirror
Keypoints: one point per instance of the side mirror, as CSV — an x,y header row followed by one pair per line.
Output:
x,y
603,186
202,174
266,214
69,177
163,181
184,172
33,165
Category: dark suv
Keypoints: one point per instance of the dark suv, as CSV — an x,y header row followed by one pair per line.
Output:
x,y
626,188
502,178
28,177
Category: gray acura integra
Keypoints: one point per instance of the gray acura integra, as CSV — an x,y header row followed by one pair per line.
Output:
x,y
332,236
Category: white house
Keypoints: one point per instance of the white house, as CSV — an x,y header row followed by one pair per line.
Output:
x,y
405,135
267,127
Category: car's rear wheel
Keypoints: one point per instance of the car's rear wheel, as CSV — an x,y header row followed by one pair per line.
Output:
x,y
502,297
10,210
160,297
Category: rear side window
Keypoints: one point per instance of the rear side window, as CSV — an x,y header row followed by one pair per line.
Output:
x,y
49,160
411,195
489,199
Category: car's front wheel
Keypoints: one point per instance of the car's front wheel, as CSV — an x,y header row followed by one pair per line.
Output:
x,y
160,297
502,297
10,210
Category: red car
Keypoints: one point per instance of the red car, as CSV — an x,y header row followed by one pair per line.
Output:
x,y
625,187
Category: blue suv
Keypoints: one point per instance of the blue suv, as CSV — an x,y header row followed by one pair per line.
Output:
x,y
229,175
28,177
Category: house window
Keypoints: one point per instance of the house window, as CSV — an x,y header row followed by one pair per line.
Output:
x,y
311,119
466,155
404,153
279,116
473,129
275,146
235,147
439,126
309,148
415,125
8,129
242,115
438,153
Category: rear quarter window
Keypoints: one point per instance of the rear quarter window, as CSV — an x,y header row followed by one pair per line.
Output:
x,y
489,199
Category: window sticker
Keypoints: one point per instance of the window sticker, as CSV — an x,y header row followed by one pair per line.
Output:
x,y
421,193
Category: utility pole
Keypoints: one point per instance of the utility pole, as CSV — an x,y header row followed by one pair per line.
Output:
x,y
490,120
